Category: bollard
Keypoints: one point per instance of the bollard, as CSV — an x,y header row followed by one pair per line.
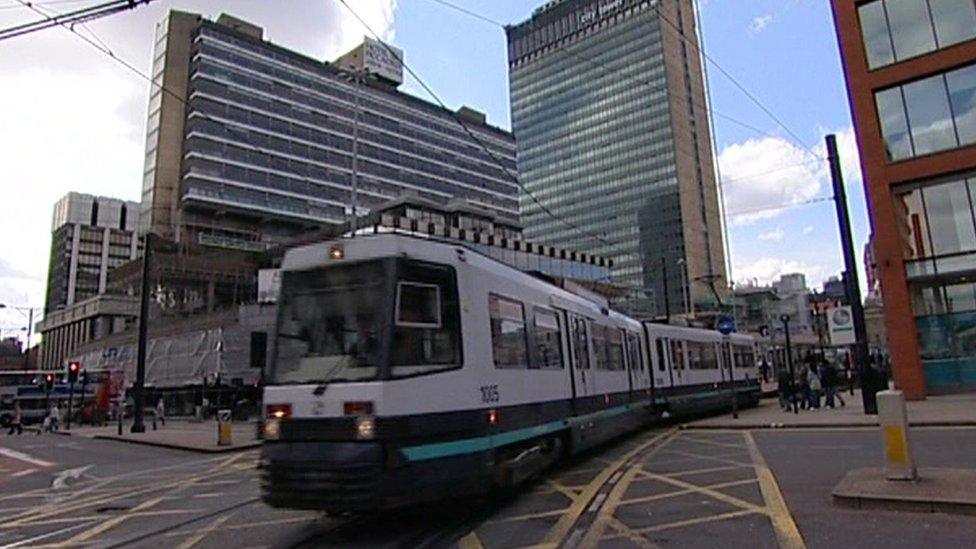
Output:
x,y
223,428
893,418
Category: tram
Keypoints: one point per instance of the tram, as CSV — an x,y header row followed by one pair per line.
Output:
x,y
408,370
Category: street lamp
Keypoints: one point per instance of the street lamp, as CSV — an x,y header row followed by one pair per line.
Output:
x,y
356,76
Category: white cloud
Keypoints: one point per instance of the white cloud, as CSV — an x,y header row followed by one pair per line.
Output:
x,y
767,269
808,229
762,178
759,24
775,235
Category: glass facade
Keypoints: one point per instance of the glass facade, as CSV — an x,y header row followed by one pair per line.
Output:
x,y
938,222
593,123
896,30
933,114
269,133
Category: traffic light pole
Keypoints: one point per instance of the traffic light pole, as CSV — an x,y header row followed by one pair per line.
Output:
x,y
138,388
851,284
789,364
71,398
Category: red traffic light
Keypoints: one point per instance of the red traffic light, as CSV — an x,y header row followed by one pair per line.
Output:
x,y
49,378
74,366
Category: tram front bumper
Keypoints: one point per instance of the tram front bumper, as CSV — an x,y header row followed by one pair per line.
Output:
x,y
325,476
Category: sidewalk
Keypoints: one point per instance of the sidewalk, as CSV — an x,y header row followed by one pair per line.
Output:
x,y
936,411
194,436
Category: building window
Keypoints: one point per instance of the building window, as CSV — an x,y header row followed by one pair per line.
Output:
x,y
896,30
937,220
508,340
929,115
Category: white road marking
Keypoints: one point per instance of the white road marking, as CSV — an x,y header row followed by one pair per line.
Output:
x,y
59,481
20,456
24,472
30,541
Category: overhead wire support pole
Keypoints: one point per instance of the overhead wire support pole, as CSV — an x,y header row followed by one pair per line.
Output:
x,y
138,387
851,283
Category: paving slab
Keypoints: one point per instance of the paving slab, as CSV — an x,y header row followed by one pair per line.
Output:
x,y
935,490
179,435
935,411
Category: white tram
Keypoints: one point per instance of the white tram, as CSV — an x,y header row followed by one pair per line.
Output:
x,y
409,370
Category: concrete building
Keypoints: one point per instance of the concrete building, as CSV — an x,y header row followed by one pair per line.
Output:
x,y
255,143
90,236
609,113
911,78
64,330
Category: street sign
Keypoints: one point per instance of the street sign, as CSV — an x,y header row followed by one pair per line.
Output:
x,y
725,324
840,324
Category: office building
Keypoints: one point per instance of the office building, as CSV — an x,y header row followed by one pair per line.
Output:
x,y
911,79
263,147
90,236
609,113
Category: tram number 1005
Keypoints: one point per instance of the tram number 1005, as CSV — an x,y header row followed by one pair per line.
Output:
x,y
489,393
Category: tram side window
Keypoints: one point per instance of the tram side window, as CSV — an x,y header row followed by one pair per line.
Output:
x,y
508,337
659,343
426,331
580,344
599,338
694,355
744,357
709,360
633,351
548,341
615,349
677,355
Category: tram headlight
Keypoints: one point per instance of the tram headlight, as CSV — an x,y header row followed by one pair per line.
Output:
x,y
365,427
272,429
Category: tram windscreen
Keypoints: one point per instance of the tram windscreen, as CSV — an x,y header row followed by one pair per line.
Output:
x,y
330,324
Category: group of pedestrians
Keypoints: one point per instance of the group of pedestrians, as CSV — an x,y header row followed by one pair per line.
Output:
x,y
815,386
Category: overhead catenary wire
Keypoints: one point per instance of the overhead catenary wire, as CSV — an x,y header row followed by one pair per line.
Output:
x,y
69,19
468,131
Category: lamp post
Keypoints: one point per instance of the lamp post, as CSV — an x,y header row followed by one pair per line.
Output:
x,y
356,76
785,319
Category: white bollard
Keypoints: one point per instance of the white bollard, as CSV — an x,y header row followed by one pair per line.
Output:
x,y
899,461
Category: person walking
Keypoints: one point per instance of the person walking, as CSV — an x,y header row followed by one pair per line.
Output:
x,y
55,416
161,411
785,390
16,422
813,382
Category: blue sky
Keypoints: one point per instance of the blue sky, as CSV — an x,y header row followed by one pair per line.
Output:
x,y
74,119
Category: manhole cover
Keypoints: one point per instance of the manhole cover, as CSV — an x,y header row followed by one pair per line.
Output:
x,y
112,509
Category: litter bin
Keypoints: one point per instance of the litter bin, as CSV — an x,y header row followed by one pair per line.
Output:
x,y
223,428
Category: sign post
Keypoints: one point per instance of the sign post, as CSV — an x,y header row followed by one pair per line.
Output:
x,y
726,325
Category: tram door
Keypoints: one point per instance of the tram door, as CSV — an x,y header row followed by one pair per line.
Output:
x,y
580,353
728,368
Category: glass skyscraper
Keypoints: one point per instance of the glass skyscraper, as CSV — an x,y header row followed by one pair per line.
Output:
x,y
608,111
259,144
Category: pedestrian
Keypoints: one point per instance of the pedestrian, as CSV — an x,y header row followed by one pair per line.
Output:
x,y
764,370
828,378
16,422
813,382
161,411
804,388
785,390
55,416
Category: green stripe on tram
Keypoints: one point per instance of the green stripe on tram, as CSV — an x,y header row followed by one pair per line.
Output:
x,y
479,444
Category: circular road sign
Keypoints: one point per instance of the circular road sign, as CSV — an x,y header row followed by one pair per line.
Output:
x,y
725,324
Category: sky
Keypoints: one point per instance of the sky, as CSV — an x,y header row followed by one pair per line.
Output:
x,y
73,118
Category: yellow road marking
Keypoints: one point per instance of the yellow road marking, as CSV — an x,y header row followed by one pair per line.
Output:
x,y
593,535
247,525
564,490
527,516
110,523
786,530
713,442
155,513
198,537
692,522
629,533
655,497
470,541
565,523
731,500
706,470
719,459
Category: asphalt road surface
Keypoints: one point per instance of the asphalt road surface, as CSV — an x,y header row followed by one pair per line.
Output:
x,y
661,487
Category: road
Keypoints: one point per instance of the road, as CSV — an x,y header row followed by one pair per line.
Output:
x,y
662,487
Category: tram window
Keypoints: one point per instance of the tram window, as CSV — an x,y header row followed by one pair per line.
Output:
x,y
548,349
427,329
599,337
418,305
709,360
508,337
580,344
633,352
659,343
615,349
694,356
677,355
744,357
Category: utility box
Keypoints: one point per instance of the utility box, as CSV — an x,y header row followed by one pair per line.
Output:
x,y
893,418
223,428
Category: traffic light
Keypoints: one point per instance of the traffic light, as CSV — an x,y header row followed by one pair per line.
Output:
x,y
73,368
48,382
